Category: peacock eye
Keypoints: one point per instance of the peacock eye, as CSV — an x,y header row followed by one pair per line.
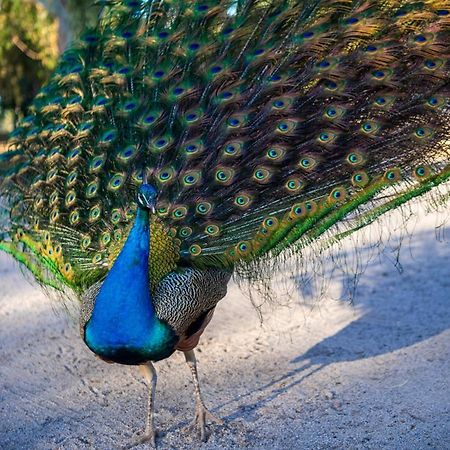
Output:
x,y
324,64
378,73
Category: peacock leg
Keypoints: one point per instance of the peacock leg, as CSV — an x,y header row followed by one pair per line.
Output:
x,y
149,372
201,413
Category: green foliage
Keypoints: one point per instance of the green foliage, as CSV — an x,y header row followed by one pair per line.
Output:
x,y
82,13
28,51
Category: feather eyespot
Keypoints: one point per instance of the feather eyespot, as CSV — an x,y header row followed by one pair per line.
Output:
x,y
212,230
97,259
52,174
308,163
370,127
137,176
105,238
324,64
236,121
355,158
179,213
243,200
275,154
165,175
338,194
278,104
127,154
96,164
129,106
101,102
360,179
92,189
162,209
116,182
286,126
185,232
39,202
423,133
192,117
108,137
203,208
54,198
244,248
71,178
54,216
294,185
71,197
194,46
85,242
392,175
161,144
224,175
232,150
421,172
191,178
351,21
158,74
326,137
262,175
311,207
270,223
195,250
307,35
216,69
95,213
435,102
74,217
116,216
297,211
281,103
420,39
432,64
178,91
193,148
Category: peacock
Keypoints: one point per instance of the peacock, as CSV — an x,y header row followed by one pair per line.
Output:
x,y
182,142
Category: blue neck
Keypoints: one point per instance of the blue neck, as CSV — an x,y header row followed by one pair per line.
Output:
x,y
123,327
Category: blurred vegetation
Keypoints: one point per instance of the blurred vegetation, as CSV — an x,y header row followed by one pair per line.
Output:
x,y
32,35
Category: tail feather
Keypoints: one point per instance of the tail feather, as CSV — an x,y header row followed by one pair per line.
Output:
x,y
261,123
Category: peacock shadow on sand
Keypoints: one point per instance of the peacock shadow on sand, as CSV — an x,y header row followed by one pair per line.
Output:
x,y
388,322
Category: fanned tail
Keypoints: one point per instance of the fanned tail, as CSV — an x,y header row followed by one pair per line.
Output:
x,y
263,125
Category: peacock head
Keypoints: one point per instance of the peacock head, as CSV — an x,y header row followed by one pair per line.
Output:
x,y
146,197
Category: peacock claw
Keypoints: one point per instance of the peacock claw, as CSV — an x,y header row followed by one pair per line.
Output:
x,y
147,436
199,422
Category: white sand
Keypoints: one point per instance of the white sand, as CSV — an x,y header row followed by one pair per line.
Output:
x,y
370,375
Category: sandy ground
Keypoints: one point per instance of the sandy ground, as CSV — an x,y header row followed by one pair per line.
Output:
x,y
316,375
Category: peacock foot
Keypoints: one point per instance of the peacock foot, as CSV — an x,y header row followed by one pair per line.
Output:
x,y
199,422
148,435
